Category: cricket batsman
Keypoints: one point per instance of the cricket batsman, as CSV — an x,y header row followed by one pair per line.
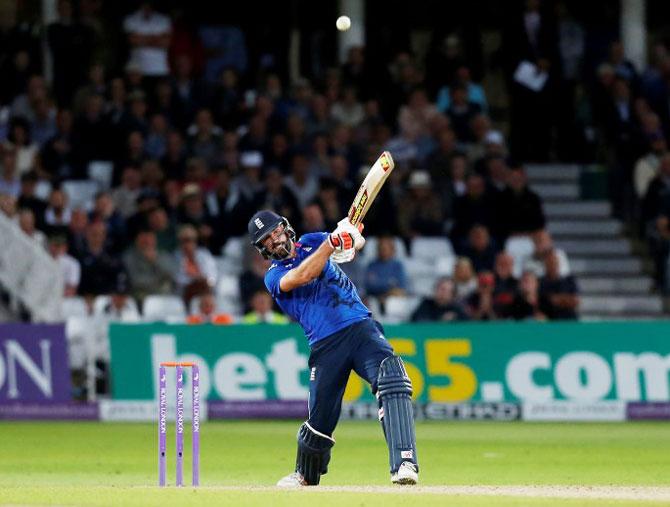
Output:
x,y
306,282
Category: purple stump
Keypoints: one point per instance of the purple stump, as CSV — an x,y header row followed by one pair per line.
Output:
x,y
162,425
179,427
195,424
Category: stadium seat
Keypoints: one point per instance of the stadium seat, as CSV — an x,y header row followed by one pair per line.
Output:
x,y
431,248
165,308
80,194
369,252
74,307
101,171
519,247
400,308
228,304
234,249
228,285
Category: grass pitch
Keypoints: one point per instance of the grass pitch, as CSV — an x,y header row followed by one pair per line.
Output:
x,y
70,463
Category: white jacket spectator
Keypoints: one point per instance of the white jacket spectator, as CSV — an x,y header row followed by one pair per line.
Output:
x,y
69,266
544,246
193,263
149,37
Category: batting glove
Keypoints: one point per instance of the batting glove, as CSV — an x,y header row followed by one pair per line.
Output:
x,y
344,256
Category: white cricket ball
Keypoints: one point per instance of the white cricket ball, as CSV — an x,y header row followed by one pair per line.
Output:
x,y
343,23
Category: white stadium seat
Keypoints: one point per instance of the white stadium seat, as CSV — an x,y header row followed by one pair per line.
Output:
x,y
228,285
431,248
74,307
520,248
80,194
400,308
166,308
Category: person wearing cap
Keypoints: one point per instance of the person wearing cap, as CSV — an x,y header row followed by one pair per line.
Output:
x,y
248,183
69,266
306,282
192,210
120,307
421,211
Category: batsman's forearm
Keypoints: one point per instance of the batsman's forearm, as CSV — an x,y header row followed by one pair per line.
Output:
x,y
313,265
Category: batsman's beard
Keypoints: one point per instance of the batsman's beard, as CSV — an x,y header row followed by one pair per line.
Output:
x,y
281,250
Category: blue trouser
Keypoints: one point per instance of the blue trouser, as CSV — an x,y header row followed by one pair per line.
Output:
x,y
360,347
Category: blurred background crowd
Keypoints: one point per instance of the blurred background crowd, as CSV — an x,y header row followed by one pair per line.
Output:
x,y
137,157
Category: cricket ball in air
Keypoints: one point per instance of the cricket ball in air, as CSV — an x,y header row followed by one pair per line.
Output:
x,y
343,23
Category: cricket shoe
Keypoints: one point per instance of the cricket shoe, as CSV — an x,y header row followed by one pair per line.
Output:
x,y
294,480
406,474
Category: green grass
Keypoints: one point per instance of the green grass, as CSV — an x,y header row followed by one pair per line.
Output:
x,y
116,464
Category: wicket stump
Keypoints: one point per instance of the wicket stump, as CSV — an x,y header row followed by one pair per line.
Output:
x,y
179,423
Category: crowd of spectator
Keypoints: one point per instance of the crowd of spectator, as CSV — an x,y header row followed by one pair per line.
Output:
x,y
193,147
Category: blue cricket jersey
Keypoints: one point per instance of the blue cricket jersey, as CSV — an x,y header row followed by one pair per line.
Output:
x,y
325,305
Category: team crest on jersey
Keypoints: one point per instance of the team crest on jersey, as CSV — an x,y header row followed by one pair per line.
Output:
x,y
307,249
259,223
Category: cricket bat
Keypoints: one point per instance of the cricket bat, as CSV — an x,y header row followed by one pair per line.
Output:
x,y
370,187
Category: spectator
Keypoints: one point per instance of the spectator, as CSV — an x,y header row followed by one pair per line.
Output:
x,y
543,246
9,183
461,112
385,275
421,212
527,304
25,149
27,225
471,208
480,303
57,157
657,189
252,278
520,208
261,311
96,85
348,110
506,286
99,269
150,270
27,199
465,281
249,183
125,195
474,92
329,201
71,45
57,214
174,161
76,232
646,167
103,209
204,137
120,307
8,205
276,196
480,249
304,185
442,307
559,292
312,219
207,313
43,127
69,266
164,229
196,268
149,35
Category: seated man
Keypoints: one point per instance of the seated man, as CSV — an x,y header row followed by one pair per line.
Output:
x,y
505,286
558,292
261,310
442,306
543,245
386,276
480,249
207,312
